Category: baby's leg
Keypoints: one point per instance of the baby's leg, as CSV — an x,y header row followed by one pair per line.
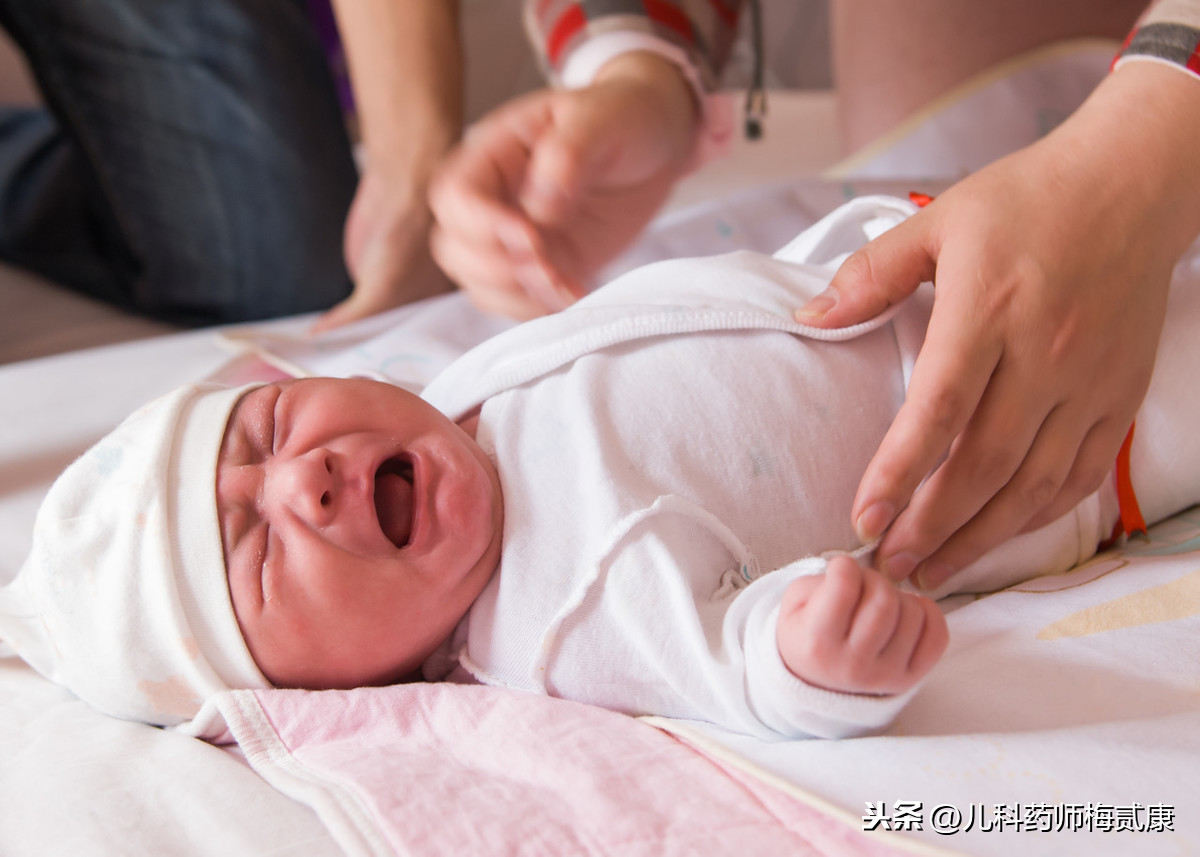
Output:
x,y
851,630
1165,456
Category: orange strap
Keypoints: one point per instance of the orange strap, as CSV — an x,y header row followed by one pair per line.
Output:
x,y
1131,514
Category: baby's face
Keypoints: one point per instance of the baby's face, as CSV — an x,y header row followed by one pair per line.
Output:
x,y
358,524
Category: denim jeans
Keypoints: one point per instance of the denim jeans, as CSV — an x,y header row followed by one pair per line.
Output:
x,y
192,165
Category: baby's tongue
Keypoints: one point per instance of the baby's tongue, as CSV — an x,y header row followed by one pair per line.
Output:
x,y
394,505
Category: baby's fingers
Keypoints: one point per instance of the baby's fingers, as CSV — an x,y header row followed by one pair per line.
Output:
x,y
893,639
831,608
876,619
919,642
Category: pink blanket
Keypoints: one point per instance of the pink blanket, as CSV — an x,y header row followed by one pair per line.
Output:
x,y
453,769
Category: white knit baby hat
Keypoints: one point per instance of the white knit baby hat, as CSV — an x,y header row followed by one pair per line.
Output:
x,y
123,599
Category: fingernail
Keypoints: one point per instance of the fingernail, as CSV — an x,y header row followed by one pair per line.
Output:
x,y
934,574
818,307
899,566
871,523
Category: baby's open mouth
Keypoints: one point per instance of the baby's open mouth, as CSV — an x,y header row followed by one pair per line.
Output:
x,y
394,500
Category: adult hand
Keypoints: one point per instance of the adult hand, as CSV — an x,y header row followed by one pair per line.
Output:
x,y
850,630
386,244
406,66
549,188
1051,269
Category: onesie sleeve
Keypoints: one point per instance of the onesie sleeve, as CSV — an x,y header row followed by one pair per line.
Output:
x,y
1168,33
783,703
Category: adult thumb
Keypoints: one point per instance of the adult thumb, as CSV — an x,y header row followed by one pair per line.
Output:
x,y
883,272
568,160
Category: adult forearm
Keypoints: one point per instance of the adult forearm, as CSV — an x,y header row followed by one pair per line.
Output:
x,y
1148,116
405,63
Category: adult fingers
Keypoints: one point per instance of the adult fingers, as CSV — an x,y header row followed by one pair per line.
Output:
x,y
353,308
469,201
364,302
371,297
1035,483
949,378
565,157
1091,467
493,280
387,273
474,193
490,239
984,459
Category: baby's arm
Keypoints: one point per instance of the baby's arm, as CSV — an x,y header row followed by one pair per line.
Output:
x,y
851,630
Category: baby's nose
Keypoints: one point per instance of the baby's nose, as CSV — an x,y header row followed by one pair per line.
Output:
x,y
304,484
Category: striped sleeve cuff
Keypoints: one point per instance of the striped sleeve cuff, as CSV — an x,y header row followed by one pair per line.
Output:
x,y
1168,33
704,29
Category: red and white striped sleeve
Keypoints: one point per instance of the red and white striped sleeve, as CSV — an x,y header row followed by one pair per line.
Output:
x,y
574,37
1168,32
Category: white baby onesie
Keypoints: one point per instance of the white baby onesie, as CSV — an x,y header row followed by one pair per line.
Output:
x,y
670,452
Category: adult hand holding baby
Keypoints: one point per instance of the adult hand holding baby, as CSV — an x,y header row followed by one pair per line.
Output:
x,y
546,190
1051,270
